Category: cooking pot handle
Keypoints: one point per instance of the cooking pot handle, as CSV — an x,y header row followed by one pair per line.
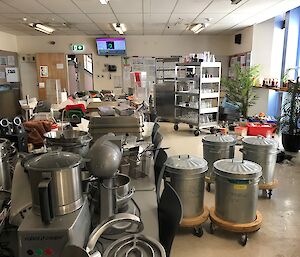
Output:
x,y
46,203
121,200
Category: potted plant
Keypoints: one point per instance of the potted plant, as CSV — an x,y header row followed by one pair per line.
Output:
x,y
289,121
239,89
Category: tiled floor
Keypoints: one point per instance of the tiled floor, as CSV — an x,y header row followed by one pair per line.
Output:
x,y
280,232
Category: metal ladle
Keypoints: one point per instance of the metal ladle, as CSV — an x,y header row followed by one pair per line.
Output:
x,y
76,251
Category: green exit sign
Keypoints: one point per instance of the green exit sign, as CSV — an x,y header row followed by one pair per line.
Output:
x,y
77,47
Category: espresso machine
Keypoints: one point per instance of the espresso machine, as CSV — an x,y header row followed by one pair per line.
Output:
x,y
60,212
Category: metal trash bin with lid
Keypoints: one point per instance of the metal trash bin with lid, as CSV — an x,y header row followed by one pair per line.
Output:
x,y
264,152
236,190
187,177
216,147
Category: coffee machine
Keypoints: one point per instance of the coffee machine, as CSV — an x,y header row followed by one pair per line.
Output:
x,y
60,212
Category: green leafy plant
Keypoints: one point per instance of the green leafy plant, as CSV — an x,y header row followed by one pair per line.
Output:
x,y
290,118
239,89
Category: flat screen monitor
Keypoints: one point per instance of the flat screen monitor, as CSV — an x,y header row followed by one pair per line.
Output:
x,y
111,46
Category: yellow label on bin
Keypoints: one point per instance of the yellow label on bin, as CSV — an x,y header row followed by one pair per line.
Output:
x,y
239,187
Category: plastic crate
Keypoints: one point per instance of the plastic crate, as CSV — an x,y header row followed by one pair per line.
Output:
x,y
260,129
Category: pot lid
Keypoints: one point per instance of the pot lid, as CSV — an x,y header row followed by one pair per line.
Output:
x,y
260,141
53,161
186,162
68,136
241,169
219,138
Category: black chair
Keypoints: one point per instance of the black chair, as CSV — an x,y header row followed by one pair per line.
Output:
x,y
158,167
154,131
169,216
156,144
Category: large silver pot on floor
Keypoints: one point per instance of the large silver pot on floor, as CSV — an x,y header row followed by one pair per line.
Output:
x,y
74,141
264,152
187,177
216,147
236,190
55,184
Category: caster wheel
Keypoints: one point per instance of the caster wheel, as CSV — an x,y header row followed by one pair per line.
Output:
x,y
212,228
198,232
176,127
191,126
270,194
196,133
208,187
243,239
212,130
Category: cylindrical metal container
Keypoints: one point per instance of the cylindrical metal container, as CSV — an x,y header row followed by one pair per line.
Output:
x,y
56,177
236,190
70,140
216,147
187,177
5,178
264,152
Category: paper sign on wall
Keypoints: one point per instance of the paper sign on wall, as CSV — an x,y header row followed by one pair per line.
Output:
x,y
11,60
12,74
44,72
41,85
2,74
60,66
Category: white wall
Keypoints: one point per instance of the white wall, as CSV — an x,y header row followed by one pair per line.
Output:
x,y
136,46
8,42
246,42
28,78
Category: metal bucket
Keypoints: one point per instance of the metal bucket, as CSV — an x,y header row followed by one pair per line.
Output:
x,y
216,147
236,190
264,152
70,140
187,177
5,170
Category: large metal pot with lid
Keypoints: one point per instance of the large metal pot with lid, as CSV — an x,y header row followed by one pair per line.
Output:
x,y
55,184
264,152
74,141
216,147
187,177
236,190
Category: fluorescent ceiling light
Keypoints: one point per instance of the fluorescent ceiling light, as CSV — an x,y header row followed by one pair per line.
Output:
x,y
42,28
104,1
196,28
120,28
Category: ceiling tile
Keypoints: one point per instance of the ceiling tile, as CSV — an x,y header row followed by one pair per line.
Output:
x,y
4,8
28,6
255,6
103,18
182,18
132,17
213,16
75,18
86,26
60,6
221,6
191,6
159,6
157,26
13,17
92,6
234,18
94,33
134,32
153,32
150,18
128,6
44,18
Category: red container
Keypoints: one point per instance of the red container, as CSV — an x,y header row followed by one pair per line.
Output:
x,y
255,129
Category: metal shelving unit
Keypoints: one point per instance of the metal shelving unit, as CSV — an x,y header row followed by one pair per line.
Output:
x,y
197,95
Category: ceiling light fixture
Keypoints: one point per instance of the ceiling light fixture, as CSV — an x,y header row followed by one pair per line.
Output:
x,y
120,28
103,1
196,28
235,1
42,28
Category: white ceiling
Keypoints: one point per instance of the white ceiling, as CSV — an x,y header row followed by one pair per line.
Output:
x,y
142,17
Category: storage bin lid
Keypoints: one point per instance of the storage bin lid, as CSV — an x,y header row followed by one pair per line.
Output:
x,y
186,163
261,141
53,161
219,138
237,169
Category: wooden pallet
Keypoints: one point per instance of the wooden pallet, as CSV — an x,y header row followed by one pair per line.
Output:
x,y
195,221
268,186
234,227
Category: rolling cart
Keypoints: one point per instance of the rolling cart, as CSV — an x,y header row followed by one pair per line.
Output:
x,y
197,95
267,188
